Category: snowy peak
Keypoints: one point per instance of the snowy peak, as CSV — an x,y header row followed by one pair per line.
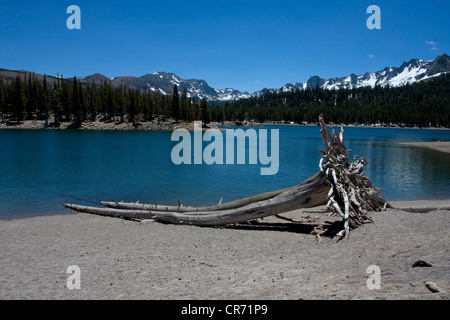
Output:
x,y
409,72
164,83
200,88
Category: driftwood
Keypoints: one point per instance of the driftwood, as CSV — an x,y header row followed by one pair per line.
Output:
x,y
311,193
340,184
352,194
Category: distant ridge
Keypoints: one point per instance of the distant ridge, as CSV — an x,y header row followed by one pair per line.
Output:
x,y
409,72
164,83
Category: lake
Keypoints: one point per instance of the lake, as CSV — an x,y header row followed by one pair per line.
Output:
x,y
40,170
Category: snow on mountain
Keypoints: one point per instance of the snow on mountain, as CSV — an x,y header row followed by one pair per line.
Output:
x,y
164,83
409,72
294,85
194,87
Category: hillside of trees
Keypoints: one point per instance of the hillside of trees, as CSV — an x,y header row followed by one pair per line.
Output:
x,y
68,101
423,104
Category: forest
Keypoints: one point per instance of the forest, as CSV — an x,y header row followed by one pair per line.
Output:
x,y
423,104
70,101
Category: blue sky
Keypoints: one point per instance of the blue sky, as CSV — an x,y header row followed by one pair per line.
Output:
x,y
246,45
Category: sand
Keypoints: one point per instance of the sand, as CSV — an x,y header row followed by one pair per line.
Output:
x,y
442,146
273,259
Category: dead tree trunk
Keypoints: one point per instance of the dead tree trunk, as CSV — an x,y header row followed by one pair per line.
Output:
x,y
180,208
311,193
340,184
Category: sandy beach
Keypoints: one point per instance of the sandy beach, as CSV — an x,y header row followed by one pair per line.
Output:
x,y
442,146
270,259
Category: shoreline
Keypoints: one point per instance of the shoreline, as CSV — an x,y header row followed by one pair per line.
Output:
x,y
270,259
441,146
171,124
372,126
99,125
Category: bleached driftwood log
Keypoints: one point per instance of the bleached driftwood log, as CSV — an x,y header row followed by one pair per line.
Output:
x,y
340,184
180,208
311,193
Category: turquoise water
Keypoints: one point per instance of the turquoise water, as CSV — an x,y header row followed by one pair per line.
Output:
x,y
40,170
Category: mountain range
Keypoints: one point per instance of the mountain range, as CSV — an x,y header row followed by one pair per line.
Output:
x,y
164,83
409,72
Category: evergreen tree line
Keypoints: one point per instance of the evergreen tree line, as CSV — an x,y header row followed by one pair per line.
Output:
x,y
71,101
420,104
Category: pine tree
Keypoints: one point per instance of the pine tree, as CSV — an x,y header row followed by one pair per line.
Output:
x,y
121,102
44,99
132,112
110,101
93,106
204,112
157,106
57,106
82,101
196,108
77,112
175,104
65,100
2,102
29,89
150,106
184,107
38,98
19,99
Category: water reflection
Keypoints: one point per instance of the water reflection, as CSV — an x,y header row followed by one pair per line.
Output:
x,y
405,172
